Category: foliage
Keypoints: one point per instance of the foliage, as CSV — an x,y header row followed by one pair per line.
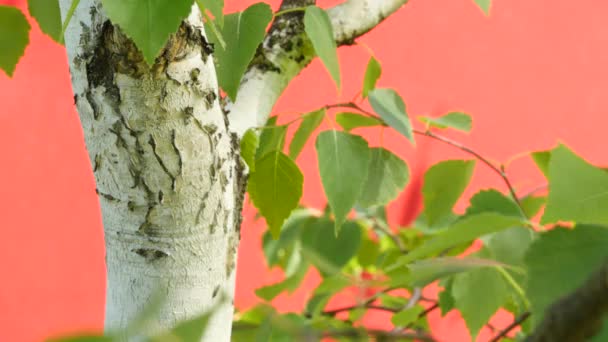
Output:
x,y
494,255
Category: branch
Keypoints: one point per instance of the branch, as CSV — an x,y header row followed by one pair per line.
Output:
x,y
579,315
286,51
381,335
517,322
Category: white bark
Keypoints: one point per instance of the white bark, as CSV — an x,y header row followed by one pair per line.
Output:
x,y
167,170
277,65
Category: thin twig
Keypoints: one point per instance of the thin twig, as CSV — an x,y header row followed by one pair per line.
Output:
x,y
517,322
382,335
353,307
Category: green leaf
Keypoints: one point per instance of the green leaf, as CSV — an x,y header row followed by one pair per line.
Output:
x,y
531,205
484,5
333,284
350,121
48,16
541,159
216,7
279,252
190,330
424,272
310,122
560,261
14,37
463,231
372,74
275,188
292,281
149,23
444,183
387,176
578,191
84,338
272,138
446,300
368,252
478,295
391,108
343,163
456,120
509,246
242,33
328,252
249,145
319,30
492,201
405,317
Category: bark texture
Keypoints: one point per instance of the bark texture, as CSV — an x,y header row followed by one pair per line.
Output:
x,y
168,171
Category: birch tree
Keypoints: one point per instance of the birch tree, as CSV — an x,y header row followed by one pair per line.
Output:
x,y
173,157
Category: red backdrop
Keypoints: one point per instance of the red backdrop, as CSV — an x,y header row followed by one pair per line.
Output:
x,y
532,74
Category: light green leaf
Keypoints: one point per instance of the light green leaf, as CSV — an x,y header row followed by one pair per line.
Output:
x,y
387,177
148,23
560,261
578,191
484,5
350,121
292,281
190,330
368,252
541,159
343,164
391,108
456,120
14,37
372,74
48,16
405,317
279,252
275,188
463,231
310,122
478,294
328,252
333,284
319,30
492,201
531,205
242,33
272,138
444,182
84,338
424,272
249,145
509,246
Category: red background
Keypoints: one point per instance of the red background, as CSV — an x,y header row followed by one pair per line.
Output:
x,y
532,74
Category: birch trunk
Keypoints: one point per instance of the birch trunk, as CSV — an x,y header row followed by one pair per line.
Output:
x,y
167,168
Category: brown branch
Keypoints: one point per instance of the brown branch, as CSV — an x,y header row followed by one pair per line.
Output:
x,y
517,322
579,315
381,335
353,307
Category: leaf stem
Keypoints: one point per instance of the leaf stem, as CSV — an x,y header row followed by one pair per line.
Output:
x,y
68,17
514,285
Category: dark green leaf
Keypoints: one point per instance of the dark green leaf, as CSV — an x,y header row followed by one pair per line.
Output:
x,y
444,182
541,159
48,16
148,23
319,31
391,108
14,37
249,145
272,138
463,231
275,188
531,205
216,7
446,300
578,191
372,74
242,33
310,122
492,201
343,164
350,121
560,261
456,120
387,177
328,252
478,294
407,316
